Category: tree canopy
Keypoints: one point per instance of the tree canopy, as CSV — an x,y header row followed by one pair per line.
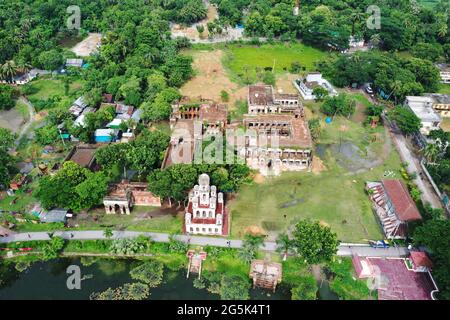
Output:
x,y
314,242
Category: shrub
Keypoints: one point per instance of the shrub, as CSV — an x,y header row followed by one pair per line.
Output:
x,y
150,272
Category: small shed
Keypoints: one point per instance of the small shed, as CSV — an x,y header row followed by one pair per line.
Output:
x,y
105,135
115,124
78,63
55,215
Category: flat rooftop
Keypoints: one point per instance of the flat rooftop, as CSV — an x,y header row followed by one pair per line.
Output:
x,y
261,95
300,135
423,108
439,97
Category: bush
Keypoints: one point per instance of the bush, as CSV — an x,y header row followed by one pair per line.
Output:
x,y
306,289
150,272
234,288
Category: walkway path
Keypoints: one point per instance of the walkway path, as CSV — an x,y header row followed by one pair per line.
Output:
x,y
427,192
27,125
344,249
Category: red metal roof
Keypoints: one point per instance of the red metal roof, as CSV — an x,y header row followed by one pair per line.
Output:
x,y
404,205
420,259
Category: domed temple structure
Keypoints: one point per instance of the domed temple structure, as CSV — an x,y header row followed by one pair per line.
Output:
x,y
205,212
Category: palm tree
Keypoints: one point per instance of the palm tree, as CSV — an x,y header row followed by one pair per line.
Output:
x,y
24,67
431,152
284,245
375,39
356,17
395,86
9,70
108,233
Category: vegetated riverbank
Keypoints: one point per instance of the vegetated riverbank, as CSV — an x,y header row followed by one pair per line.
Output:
x,y
222,267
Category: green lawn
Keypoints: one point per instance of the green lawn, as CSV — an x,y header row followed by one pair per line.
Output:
x,y
280,56
445,88
165,223
429,4
336,196
45,88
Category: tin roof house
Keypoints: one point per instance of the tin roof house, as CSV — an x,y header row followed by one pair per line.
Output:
x,y
394,207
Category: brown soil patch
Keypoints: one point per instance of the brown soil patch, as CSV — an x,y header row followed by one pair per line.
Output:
x,y
323,223
259,178
255,230
211,78
88,45
317,165
191,31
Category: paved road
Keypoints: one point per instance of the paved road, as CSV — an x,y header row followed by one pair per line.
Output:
x,y
427,192
344,249
32,113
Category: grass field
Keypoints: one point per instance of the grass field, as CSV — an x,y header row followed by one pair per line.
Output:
x,y
430,4
159,223
243,59
445,88
445,125
336,196
43,89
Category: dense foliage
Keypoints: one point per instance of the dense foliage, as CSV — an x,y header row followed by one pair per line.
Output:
x,y
314,242
7,163
329,23
435,235
175,181
72,187
393,76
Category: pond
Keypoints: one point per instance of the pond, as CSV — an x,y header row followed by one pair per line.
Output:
x,y
47,280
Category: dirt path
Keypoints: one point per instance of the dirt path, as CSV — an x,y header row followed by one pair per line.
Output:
x,y
27,125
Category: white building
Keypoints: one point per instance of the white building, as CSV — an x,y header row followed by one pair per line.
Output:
x,y
422,107
206,209
444,70
313,80
77,63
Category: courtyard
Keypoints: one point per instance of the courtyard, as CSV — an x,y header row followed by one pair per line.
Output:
x,y
334,195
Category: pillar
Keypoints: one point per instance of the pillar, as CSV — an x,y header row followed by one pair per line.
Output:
x,y
107,209
121,209
112,209
127,210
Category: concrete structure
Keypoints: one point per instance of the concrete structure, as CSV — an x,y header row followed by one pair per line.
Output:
x,y
24,78
77,63
195,262
394,207
190,122
262,99
277,142
211,115
354,42
206,209
422,107
124,195
265,274
440,103
55,215
444,71
307,85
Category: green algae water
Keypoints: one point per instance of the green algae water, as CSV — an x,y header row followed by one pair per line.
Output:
x,y
47,281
